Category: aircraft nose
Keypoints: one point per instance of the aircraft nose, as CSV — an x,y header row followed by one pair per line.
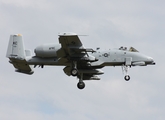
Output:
x,y
151,60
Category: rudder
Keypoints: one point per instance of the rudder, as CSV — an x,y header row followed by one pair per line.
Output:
x,y
17,54
16,47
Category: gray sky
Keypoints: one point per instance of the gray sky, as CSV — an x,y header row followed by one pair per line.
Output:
x,y
49,94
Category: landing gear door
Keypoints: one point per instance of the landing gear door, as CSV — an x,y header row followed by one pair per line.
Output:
x,y
128,61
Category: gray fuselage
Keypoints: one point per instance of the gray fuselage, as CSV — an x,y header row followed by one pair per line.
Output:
x,y
112,57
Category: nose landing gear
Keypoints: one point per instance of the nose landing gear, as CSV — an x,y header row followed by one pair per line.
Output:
x,y
127,77
125,69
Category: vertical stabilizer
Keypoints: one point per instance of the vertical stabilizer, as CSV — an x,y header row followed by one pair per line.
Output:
x,y
16,47
17,54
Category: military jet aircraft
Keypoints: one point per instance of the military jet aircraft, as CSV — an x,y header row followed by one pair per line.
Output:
x,y
83,63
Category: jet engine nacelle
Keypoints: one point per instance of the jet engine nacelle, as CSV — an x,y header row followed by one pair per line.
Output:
x,y
47,50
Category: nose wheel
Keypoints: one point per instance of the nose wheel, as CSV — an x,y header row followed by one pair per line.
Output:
x,y
125,71
127,77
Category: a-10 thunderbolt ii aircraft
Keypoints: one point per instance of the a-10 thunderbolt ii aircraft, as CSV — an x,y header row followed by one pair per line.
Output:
x,y
83,63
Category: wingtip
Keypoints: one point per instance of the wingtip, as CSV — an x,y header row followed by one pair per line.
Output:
x,y
67,34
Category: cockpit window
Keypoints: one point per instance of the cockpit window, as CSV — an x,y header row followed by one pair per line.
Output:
x,y
133,49
123,48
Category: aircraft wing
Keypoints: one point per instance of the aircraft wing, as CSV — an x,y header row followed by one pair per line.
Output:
x,y
72,48
72,51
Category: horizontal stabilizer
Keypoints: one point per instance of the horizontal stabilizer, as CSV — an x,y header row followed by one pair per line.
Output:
x,y
25,72
22,66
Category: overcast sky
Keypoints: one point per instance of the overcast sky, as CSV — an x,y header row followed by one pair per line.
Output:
x,y
49,94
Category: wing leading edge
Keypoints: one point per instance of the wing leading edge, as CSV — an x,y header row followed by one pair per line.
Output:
x,y
72,48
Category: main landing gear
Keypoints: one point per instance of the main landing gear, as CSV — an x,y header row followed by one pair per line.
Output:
x,y
74,72
81,85
125,70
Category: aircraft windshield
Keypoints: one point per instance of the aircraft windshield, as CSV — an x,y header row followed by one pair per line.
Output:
x,y
133,49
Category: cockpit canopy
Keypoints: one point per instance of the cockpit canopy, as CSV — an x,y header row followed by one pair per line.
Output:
x,y
131,49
